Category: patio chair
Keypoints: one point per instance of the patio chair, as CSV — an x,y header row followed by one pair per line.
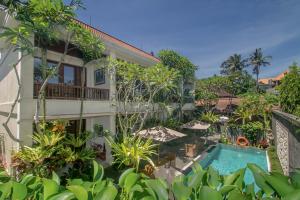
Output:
x,y
190,150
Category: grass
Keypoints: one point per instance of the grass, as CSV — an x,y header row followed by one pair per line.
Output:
x,y
274,161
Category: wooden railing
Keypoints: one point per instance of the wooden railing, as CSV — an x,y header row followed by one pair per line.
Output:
x,y
71,92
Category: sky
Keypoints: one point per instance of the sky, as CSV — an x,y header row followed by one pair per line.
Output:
x,y
205,31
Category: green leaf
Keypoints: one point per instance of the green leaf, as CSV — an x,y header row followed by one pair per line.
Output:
x,y
231,178
50,188
130,181
209,194
26,180
124,175
227,188
250,190
5,190
158,188
108,193
295,178
236,195
98,171
195,180
259,176
213,178
180,191
281,187
19,191
79,192
66,195
55,178
295,195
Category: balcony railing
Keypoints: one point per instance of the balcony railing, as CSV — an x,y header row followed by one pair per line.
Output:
x,y
71,92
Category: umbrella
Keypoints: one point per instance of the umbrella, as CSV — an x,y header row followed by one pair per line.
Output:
x,y
160,134
197,125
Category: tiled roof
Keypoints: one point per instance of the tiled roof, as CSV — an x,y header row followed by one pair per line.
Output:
x,y
106,37
276,78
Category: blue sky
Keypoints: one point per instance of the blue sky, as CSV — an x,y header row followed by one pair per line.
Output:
x,y
205,31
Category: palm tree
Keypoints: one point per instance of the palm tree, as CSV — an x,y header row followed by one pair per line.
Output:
x,y
257,59
234,63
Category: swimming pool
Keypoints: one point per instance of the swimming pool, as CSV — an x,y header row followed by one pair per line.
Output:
x,y
227,159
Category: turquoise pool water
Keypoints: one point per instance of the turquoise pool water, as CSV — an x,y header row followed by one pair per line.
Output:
x,y
227,159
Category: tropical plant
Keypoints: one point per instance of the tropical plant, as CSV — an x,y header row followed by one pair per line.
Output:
x,y
289,91
258,60
172,123
52,151
199,184
132,150
233,64
253,131
210,117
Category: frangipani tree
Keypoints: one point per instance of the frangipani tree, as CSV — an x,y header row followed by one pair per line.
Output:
x,y
136,89
43,23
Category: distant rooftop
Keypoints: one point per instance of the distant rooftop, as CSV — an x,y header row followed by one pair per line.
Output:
x,y
276,78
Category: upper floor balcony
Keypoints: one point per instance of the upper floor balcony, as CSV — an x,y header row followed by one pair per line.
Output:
x,y
72,92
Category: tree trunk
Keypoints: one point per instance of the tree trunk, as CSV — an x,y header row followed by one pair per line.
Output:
x,y
81,99
257,73
44,75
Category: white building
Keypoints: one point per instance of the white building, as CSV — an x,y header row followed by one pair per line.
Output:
x,y
62,93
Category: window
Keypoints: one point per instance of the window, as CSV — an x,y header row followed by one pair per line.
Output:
x,y
38,75
99,76
69,75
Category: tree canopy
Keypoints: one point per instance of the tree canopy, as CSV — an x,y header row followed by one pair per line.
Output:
x,y
174,60
289,91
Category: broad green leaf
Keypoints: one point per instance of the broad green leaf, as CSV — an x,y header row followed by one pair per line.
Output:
x,y
240,179
98,171
236,195
213,178
79,192
66,195
108,193
158,188
259,176
5,190
230,179
280,176
295,195
250,189
124,175
50,188
180,191
19,191
130,181
227,188
55,178
26,180
295,178
195,180
75,182
209,194
281,187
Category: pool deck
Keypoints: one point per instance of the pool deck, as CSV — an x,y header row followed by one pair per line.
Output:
x,y
182,162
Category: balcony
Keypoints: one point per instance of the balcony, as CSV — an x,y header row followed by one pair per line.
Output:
x,y
71,92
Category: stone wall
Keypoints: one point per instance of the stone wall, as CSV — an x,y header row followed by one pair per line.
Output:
x,y
286,131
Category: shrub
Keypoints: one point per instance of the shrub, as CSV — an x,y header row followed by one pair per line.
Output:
x,y
289,91
201,184
253,131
